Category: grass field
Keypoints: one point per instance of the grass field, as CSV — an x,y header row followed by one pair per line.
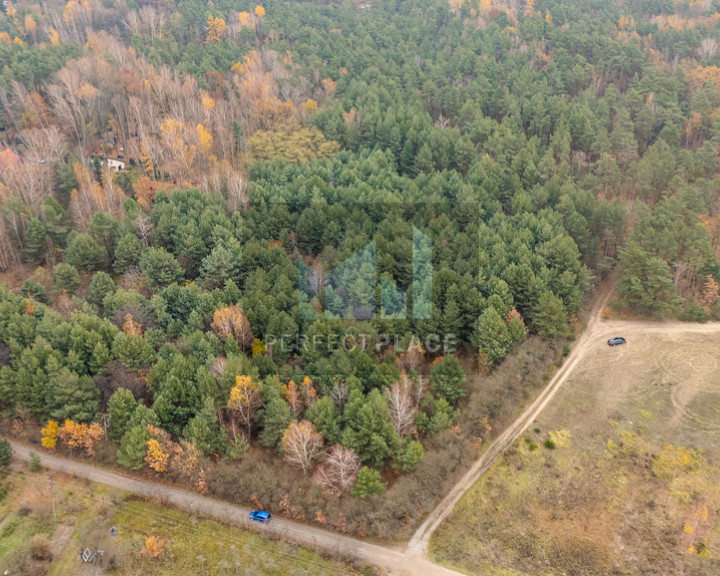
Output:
x,y
619,476
86,512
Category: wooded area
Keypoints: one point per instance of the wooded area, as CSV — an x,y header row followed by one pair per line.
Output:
x,y
190,306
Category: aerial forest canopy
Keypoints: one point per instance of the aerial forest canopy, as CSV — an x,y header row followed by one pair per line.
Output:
x,y
181,183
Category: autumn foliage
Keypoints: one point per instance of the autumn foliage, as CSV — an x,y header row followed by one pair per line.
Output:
x,y
79,436
50,433
155,457
131,327
216,29
300,398
163,454
153,547
245,399
710,293
230,321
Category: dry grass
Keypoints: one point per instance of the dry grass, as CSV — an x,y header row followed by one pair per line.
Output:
x,y
632,486
32,543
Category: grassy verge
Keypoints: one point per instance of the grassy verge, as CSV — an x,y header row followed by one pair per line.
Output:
x,y
86,512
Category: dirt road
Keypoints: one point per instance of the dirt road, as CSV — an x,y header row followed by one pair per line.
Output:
x,y
413,559
596,333
395,562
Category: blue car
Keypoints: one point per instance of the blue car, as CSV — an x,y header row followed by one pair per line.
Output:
x,y
616,341
260,516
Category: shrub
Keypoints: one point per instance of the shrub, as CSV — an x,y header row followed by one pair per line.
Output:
x,y
532,446
40,547
35,464
5,452
368,483
549,444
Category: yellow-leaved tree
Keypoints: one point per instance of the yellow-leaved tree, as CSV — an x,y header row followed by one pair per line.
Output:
x,y
230,321
244,20
155,457
204,138
31,26
49,439
54,36
245,400
216,29
310,106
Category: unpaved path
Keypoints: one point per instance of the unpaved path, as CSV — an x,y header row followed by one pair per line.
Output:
x,y
413,559
595,334
395,561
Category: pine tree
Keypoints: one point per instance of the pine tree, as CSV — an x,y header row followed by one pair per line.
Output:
x,y
66,277
276,417
127,253
424,160
491,335
203,430
133,448
35,245
550,319
84,253
72,397
447,379
100,286
368,484
121,407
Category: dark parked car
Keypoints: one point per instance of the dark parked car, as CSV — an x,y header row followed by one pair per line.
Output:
x,y
616,341
260,516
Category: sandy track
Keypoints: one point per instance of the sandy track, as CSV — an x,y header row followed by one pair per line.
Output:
x,y
395,561
596,334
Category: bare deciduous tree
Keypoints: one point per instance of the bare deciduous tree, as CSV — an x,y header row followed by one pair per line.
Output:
x,y
708,47
302,445
144,228
339,394
338,472
402,407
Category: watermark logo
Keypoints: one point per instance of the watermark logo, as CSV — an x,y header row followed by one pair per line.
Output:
x,y
356,290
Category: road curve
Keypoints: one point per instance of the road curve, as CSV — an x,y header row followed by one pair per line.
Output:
x,y
595,334
411,561
394,561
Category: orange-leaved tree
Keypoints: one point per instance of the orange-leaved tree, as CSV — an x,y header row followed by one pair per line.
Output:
x,y
77,435
153,547
132,327
710,293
